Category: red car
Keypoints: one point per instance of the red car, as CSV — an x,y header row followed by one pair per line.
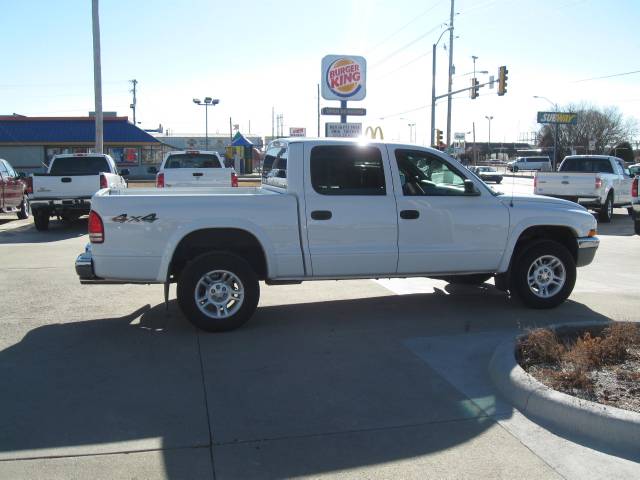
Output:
x,y
13,191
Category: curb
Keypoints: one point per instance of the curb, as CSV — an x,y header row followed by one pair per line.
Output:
x,y
617,428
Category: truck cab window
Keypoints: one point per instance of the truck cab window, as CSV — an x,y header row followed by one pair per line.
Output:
x,y
422,174
347,170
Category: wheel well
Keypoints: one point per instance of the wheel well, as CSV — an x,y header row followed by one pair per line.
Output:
x,y
562,235
232,240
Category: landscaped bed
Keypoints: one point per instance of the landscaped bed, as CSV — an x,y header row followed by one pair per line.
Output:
x,y
597,364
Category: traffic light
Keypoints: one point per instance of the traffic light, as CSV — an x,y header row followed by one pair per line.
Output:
x,y
502,80
475,88
438,137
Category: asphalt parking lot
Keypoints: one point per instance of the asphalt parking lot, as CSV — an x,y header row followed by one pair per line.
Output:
x,y
353,379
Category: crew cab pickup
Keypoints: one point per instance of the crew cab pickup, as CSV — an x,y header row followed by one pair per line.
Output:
x,y
67,187
599,182
195,168
13,191
337,209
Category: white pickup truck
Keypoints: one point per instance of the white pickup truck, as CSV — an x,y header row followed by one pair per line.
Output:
x,y
67,187
599,182
195,168
337,209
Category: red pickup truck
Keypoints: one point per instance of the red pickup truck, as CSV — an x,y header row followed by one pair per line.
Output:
x,y
13,191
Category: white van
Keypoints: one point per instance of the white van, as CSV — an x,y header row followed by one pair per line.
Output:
x,y
530,163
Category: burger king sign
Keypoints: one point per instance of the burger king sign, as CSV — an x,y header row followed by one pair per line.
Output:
x,y
344,77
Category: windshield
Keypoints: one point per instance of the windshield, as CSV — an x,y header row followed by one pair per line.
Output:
x,y
586,165
192,160
79,166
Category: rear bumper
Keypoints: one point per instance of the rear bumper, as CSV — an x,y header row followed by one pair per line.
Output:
x,y
62,205
84,265
587,247
584,201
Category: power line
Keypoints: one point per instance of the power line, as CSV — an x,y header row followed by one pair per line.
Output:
x,y
404,47
428,54
389,37
606,76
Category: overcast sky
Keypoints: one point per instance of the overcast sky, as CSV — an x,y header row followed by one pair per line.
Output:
x,y
253,55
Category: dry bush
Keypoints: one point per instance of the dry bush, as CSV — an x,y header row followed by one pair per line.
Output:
x,y
540,346
585,354
575,379
616,341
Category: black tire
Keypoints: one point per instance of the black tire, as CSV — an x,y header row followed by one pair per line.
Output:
x,y
41,220
525,261
636,227
25,210
189,283
606,212
473,279
498,182
515,170
630,211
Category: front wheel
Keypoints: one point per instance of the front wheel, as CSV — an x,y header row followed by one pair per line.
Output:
x,y
544,275
606,212
25,210
218,292
515,170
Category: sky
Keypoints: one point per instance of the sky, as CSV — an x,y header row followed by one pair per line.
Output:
x,y
258,55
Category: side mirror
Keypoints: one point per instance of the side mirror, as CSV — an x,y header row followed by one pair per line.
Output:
x,y
22,175
470,188
124,171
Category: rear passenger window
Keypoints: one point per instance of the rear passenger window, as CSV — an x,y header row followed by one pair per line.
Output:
x,y
347,170
274,165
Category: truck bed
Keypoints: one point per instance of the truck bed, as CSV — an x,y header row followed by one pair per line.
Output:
x,y
566,184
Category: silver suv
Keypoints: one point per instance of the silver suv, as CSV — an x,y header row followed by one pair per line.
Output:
x,y
530,163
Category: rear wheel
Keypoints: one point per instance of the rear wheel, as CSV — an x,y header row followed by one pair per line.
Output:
x,y
606,212
218,292
636,226
544,274
25,210
41,220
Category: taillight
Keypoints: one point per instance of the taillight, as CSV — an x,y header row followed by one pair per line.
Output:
x,y
160,180
29,185
598,182
634,187
234,179
103,181
96,228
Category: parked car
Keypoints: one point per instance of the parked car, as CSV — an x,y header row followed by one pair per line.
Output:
x,y
600,182
13,191
634,170
530,163
70,182
487,174
195,168
340,210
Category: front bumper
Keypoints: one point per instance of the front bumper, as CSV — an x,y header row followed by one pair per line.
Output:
x,y
587,247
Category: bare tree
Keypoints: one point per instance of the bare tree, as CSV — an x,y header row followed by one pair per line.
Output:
x,y
607,127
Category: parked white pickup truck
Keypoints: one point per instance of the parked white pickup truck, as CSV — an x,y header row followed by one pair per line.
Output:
x,y
195,168
600,182
67,187
338,209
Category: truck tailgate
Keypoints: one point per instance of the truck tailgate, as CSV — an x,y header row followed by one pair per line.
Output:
x,y
566,184
197,177
58,187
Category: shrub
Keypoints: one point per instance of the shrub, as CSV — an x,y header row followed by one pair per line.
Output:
x,y
540,346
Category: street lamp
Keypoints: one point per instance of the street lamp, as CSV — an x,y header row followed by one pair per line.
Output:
x,y
208,101
489,144
433,87
555,133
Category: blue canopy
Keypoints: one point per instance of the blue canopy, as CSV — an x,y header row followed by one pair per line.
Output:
x,y
240,140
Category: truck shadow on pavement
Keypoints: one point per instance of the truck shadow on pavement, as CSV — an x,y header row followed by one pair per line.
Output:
x,y
25,231
301,389
621,224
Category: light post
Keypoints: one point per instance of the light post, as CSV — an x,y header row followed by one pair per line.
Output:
x,y
207,101
433,86
489,144
555,133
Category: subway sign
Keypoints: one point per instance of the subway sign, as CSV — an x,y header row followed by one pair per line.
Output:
x,y
558,117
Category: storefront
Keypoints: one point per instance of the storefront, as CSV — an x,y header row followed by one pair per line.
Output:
x,y
29,143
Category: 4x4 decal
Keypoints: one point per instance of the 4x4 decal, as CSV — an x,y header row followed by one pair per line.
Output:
x,y
124,218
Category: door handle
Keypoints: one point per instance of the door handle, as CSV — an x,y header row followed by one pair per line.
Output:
x,y
65,179
321,214
197,174
409,214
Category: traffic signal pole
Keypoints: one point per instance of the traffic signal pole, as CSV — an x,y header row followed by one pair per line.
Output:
x,y
433,96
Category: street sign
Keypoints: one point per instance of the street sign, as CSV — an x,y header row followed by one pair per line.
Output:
x,y
297,132
344,77
335,129
558,117
352,112
458,136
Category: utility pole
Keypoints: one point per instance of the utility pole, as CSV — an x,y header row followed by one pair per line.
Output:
x,y
475,156
272,122
97,77
134,82
489,144
450,76
318,110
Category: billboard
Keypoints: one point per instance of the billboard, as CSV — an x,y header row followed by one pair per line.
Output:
x,y
558,117
344,77
297,132
335,129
